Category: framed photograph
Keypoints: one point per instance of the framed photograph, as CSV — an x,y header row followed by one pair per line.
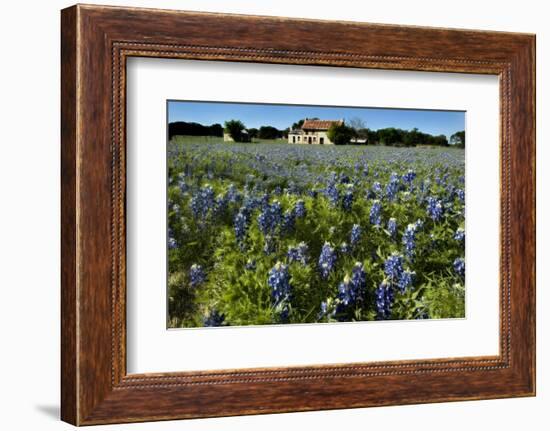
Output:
x,y
265,214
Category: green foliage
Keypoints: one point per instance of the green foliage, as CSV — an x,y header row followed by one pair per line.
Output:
x,y
340,134
235,128
459,139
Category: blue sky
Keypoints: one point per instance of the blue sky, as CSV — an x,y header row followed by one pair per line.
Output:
x,y
282,116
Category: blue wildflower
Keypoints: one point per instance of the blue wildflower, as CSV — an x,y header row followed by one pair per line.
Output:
x,y
347,201
434,208
409,177
332,193
409,240
298,253
460,234
327,260
460,266
250,265
232,194
406,280
289,220
392,227
172,243
377,188
344,294
392,187
300,209
460,194
384,299
202,202
196,275
358,281
375,213
276,213
355,235
241,225
279,282
214,319
393,267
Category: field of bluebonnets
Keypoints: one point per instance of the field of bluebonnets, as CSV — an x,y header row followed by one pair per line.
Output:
x,y
282,233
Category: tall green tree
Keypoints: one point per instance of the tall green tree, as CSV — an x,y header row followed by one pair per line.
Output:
x,y
340,134
459,139
235,129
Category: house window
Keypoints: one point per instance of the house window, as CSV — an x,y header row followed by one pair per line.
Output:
x,y
314,139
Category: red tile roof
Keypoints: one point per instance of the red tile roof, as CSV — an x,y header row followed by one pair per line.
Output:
x,y
320,124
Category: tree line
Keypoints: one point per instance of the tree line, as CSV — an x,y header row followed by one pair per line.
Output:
x,y
354,132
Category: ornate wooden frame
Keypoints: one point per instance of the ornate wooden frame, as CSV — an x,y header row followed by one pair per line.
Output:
x,y
95,43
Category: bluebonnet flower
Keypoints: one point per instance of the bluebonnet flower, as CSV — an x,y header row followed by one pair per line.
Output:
x,y
232,194
375,213
384,300
377,188
277,190
392,187
270,217
324,309
409,177
327,260
434,208
264,221
279,282
347,201
313,193
393,267
241,225
276,212
214,319
202,202
358,281
392,227
289,220
264,201
355,235
460,266
460,194
172,243
332,193
344,178
344,294
460,234
406,280
300,209
298,253
409,240
196,275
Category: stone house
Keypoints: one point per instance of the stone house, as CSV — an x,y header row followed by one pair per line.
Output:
x,y
313,132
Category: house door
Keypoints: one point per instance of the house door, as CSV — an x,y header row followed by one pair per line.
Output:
x,y
294,139
321,140
309,140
